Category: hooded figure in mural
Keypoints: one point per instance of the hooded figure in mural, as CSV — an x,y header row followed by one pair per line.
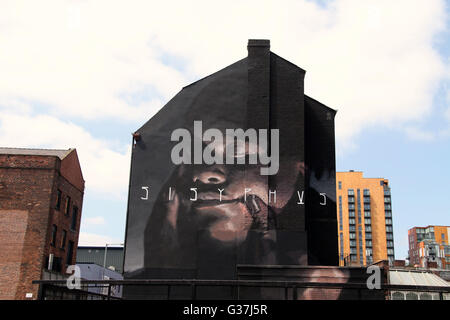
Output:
x,y
239,216
200,220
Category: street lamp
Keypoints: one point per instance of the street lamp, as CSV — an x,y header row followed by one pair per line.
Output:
x,y
104,258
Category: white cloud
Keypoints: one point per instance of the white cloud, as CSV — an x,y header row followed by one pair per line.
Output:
x,y
373,61
92,239
93,221
447,112
105,170
419,134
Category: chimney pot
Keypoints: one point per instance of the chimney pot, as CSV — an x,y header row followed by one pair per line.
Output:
x,y
258,43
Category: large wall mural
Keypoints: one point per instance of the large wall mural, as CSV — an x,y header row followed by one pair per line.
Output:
x,y
237,169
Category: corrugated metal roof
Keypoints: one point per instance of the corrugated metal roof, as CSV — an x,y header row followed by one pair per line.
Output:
x,y
419,278
60,153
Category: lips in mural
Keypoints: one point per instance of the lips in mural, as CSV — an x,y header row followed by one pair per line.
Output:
x,y
230,219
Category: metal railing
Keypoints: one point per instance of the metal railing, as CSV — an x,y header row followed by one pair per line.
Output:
x,y
285,290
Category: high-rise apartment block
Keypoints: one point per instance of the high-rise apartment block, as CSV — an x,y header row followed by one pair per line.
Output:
x,y
364,216
429,247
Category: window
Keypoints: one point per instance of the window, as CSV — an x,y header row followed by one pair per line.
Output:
x,y
389,236
352,228
58,200
388,221
340,185
367,221
352,243
351,214
351,221
63,240
387,206
390,243
67,205
411,296
69,253
426,296
368,236
368,228
359,205
54,230
352,235
351,192
367,214
398,296
366,199
73,225
388,228
353,250
366,192
387,199
55,265
351,206
366,207
368,243
351,200
388,214
390,252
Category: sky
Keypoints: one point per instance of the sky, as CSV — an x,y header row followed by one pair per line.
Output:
x,y
86,74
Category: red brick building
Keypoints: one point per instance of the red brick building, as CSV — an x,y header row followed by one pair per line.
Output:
x,y
41,196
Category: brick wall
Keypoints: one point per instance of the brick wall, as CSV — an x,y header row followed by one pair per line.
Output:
x,y
63,221
13,225
28,187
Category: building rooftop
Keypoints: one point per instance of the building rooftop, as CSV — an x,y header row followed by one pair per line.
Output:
x,y
416,278
431,225
60,153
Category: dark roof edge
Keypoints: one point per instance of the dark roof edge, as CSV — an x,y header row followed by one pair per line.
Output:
x,y
201,79
317,101
191,84
293,64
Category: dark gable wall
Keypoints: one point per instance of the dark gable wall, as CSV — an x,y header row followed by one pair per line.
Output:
x,y
261,91
321,178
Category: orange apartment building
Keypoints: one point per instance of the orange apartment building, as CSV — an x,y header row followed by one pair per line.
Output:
x,y
364,214
429,247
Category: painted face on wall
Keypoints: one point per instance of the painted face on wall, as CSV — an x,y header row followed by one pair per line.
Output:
x,y
235,208
228,200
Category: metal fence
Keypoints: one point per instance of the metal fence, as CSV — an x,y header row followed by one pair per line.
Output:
x,y
173,289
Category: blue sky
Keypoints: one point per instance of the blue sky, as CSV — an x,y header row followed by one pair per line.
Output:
x,y
97,71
